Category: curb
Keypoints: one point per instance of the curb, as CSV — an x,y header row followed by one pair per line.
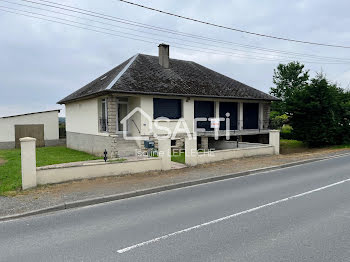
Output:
x,y
99,200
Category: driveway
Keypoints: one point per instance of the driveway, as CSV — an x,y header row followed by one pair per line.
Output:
x,y
300,213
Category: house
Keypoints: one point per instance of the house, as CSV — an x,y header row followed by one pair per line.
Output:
x,y
41,125
161,87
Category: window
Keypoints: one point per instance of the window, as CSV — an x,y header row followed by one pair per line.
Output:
x,y
173,142
204,109
103,118
169,108
231,108
250,116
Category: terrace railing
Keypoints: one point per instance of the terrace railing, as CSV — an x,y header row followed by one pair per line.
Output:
x,y
103,123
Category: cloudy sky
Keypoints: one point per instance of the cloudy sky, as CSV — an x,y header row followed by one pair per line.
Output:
x,y
42,61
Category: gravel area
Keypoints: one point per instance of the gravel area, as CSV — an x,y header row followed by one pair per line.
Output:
x,y
51,195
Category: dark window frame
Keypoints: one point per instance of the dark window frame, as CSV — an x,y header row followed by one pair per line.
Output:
x,y
233,107
251,112
104,115
176,113
205,109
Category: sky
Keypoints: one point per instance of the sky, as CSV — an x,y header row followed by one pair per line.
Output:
x,y
42,61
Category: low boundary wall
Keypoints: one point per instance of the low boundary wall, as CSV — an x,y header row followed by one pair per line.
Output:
x,y
32,175
219,155
245,150
60,173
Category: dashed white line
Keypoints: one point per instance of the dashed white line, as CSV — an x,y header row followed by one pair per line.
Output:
x,y
120,251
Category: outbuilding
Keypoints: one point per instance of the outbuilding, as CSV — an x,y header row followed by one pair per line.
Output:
x,y
41,125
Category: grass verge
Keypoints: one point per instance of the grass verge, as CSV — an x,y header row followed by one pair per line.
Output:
x,y
178,157
10,171
292,146
295,146
340,146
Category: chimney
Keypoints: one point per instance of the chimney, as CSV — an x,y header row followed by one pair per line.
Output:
x,y
164,55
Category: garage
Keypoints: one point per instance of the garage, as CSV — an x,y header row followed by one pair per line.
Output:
x,y
41,125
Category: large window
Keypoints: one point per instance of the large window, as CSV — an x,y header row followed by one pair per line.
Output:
x,y
231,109
169,108
204,109
250,116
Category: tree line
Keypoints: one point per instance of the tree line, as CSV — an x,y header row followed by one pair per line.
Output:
x,y
317,110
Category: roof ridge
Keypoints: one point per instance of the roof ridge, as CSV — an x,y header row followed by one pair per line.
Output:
x,y
231,78
115,80
175,59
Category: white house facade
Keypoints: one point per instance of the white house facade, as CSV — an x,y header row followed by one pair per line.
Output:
x,y
175,90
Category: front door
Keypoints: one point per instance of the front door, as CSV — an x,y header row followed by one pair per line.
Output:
x,y
122,112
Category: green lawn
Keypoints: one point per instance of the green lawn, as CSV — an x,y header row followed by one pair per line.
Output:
x,y
178,157
10,172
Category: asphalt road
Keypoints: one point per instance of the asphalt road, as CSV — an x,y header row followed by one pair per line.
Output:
x,y
294,214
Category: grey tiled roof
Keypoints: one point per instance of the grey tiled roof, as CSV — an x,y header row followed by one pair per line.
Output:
x,y
144,75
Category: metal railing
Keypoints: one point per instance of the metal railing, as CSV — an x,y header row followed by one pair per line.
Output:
x,y
260,125
103,123
138,129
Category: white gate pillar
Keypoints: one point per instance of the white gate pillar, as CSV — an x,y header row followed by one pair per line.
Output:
x,y
191,153
28,161
164,152
274,140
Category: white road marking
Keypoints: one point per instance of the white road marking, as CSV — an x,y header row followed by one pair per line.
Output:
x,y
120,251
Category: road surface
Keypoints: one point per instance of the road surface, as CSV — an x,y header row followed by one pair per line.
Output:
x,y
294,214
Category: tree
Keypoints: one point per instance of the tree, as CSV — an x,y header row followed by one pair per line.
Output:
x,y
288,79
345,118
319,113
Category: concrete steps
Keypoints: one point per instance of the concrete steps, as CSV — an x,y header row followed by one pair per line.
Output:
x,y
125,148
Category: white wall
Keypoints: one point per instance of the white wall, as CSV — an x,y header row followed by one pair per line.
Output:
x,y
83,117
48,119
